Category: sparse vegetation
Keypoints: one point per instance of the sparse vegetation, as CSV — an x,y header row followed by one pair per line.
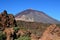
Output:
x,y
36,28
2,36
23,38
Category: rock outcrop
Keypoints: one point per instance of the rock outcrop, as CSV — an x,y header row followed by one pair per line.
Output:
x,y
51,33
9,32
23,33
6,20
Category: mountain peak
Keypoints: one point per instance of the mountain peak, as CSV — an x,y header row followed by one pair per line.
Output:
x,y
30,9
35,16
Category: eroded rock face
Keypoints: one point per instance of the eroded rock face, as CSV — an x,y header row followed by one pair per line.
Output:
x,y
51,33
6,20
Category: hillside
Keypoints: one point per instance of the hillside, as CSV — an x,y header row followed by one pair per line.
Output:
x,y
39,31
11,29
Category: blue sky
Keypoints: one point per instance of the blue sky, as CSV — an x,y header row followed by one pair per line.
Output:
x,y
50,7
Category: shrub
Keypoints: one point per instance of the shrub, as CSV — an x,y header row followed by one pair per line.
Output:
x,y
2,36
16,29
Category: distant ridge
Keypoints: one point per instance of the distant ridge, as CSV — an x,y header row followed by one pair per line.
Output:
x,y
31,15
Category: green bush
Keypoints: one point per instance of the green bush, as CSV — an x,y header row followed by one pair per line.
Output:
x,y
23,38
2,36
16,29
